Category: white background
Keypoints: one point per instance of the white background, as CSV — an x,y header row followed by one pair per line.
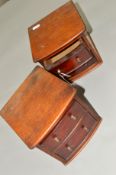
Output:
x,y
99,156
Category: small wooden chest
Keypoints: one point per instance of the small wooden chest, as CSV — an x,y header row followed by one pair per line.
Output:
x,y
47,113
61,43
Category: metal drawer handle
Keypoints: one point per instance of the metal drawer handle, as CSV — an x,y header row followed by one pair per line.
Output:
x,y
63,74
56,139
68,148
73,117
85,128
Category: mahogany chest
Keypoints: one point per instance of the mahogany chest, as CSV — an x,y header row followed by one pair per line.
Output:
x,y
61,44
47,113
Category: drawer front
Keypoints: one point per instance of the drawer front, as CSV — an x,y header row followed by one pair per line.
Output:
x,y
71,133
70,120
75,60
85,68
76,139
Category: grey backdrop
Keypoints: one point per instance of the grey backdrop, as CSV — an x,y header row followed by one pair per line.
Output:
x,y
99,156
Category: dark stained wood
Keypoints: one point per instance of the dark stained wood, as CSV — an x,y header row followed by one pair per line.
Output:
x,y
69,121
45,111
72,132
76,59
61,44
55,32
37,106
78,62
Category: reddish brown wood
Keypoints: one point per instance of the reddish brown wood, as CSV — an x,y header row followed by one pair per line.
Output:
x,y
74,60
72,132
37,105
55,32
46,113
59,32
78,62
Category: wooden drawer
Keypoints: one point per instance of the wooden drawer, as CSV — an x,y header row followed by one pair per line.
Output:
x,y
83,69
66,48
74,60
73,144
70,134
70,120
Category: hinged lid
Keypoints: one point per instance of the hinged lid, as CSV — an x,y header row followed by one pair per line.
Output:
x,y
55,32
37,105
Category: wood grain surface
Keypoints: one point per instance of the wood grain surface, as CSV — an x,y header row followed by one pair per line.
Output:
x,y
55,32
72,132
37,105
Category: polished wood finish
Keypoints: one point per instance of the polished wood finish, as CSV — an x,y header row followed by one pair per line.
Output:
x,y
45,111
74,61
78,62
72,132
60,42
55,32
37,106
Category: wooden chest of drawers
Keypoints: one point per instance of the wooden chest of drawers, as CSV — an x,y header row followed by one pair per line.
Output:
x,y
72,132
47,113
61,43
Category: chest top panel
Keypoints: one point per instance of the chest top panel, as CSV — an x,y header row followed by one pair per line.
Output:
x,y
55,32
37,105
